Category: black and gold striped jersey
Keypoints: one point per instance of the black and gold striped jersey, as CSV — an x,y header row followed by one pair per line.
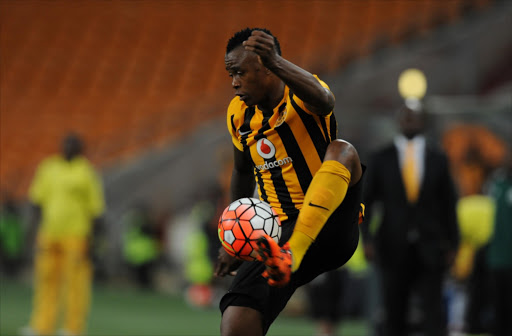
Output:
x,y
286,147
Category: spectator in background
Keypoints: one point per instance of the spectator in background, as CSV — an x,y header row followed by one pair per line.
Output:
x,y
68,201
474,152
201,247
141,245
12,236
499,252
418,236
202,244
468,294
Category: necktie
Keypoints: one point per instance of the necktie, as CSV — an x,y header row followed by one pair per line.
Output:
x,y
410,175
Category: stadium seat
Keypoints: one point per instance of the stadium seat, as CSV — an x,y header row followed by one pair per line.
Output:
x,y
128,74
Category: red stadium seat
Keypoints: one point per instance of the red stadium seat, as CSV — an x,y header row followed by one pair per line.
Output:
x,y
125,74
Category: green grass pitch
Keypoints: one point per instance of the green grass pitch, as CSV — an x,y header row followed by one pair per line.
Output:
x,y
128,312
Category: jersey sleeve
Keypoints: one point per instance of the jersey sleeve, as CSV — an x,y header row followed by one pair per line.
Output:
x,y
301,103
233,118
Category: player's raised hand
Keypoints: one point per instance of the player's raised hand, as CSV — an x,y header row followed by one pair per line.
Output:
x,y
264,46
226,264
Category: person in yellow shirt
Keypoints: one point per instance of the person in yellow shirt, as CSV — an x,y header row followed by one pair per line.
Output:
x,y
68,199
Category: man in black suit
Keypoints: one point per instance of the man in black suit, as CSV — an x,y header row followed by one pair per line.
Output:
x,y
417,238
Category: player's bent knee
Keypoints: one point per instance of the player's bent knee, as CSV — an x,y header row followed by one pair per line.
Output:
x,y
342,151
345,153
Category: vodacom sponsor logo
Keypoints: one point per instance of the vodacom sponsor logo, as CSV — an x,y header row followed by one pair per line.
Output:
x,y
267,150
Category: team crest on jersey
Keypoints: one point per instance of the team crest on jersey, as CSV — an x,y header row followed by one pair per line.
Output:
x,y
265,148
282,117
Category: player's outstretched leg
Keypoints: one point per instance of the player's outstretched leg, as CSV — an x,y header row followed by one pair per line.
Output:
x,y
341,168
277,259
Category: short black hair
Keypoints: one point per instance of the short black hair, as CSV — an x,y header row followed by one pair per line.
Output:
x,y
242,35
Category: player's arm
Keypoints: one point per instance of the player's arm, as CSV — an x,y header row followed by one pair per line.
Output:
x,y
242,185
242,178
317,98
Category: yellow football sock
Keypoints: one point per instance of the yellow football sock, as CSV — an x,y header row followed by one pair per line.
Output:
x,y
326,192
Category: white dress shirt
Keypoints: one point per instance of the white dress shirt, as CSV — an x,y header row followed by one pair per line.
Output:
x,y
418,142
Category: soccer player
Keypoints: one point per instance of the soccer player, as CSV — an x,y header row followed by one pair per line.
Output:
x,y
285,141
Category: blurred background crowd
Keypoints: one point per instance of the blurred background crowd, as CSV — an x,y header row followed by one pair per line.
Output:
x,y
142,84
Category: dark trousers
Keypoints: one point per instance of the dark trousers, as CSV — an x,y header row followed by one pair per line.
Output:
x,y
502,301
398,285
479,318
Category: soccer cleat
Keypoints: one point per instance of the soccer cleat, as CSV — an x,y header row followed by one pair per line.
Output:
x,y
277,260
